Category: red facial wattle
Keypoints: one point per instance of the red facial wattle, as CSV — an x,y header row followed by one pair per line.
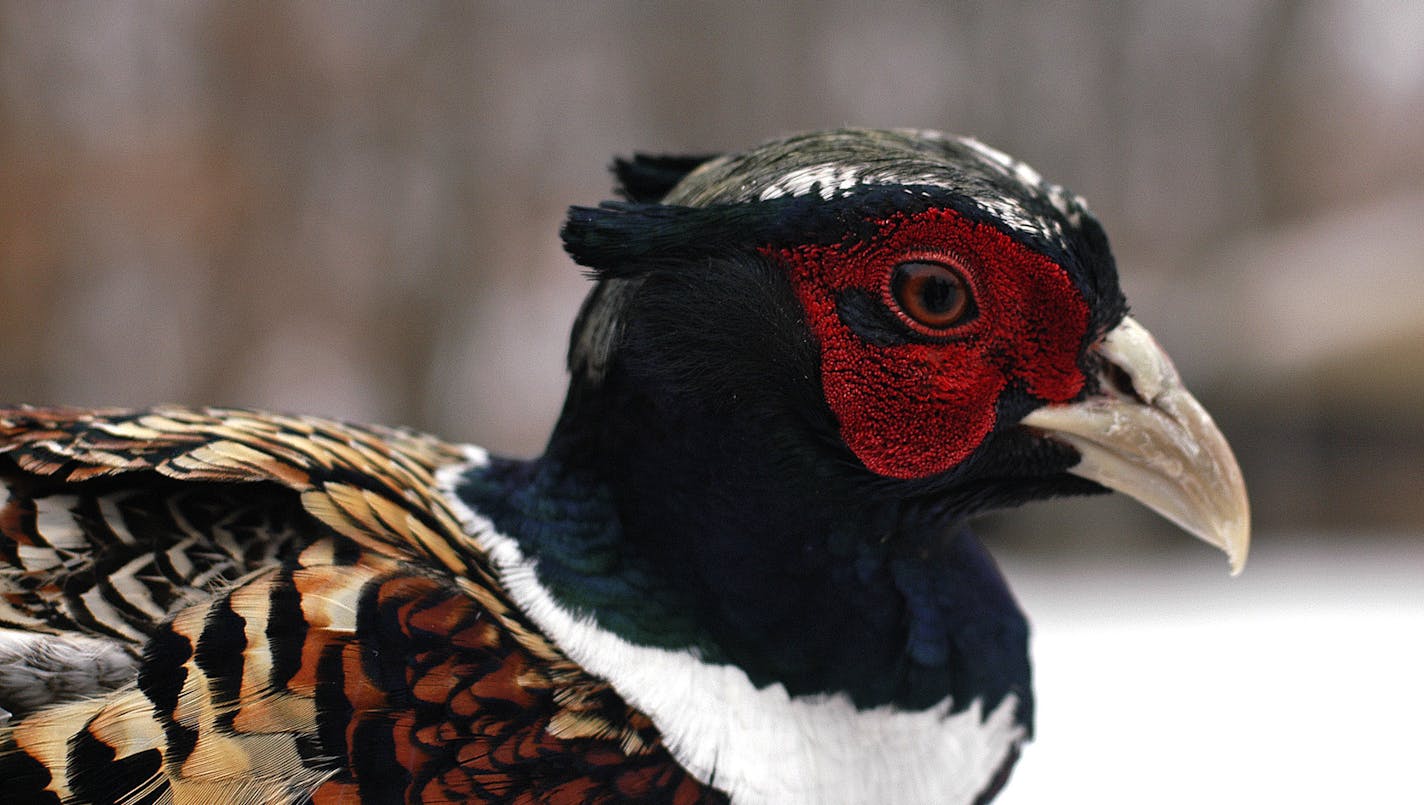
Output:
x,y
918,408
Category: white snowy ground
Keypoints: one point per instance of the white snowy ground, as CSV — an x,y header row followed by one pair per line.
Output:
x,y
1301,681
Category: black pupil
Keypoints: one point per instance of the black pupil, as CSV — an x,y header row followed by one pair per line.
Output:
x,y
938,294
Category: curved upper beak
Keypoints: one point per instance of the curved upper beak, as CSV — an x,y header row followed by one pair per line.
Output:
x,y
1151,440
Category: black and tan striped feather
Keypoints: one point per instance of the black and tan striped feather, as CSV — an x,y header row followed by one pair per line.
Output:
x,y
284,609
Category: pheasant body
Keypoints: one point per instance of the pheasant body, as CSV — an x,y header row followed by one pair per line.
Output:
x,y
741,571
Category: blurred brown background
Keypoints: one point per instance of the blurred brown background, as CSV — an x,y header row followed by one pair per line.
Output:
x,y
352,209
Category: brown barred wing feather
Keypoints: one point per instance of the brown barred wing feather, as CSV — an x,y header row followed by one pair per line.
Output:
x,y
367,681
265,609
351,474
113,519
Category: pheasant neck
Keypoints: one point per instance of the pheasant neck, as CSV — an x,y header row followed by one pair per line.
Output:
x,y
680,528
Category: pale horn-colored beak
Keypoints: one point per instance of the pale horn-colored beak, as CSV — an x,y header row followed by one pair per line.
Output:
x,y
1154,442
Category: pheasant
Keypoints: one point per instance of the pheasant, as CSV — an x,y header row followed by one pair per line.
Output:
x,y
740,572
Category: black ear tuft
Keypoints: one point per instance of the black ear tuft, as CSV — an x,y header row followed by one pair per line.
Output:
x,y
647,178
630,238
624,238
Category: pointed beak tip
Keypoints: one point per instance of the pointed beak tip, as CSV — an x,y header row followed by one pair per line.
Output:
x,y
1238,546
1227,524
1237,562
1231,536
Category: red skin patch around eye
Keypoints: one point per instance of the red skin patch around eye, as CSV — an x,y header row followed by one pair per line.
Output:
x,y
916,409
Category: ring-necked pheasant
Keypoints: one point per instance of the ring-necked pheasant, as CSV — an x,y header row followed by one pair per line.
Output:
x,y
739,573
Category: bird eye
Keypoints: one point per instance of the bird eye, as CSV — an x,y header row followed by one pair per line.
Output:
x,y
930,296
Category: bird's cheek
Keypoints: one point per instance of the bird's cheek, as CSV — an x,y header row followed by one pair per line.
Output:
x,y
1045,336
906,413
